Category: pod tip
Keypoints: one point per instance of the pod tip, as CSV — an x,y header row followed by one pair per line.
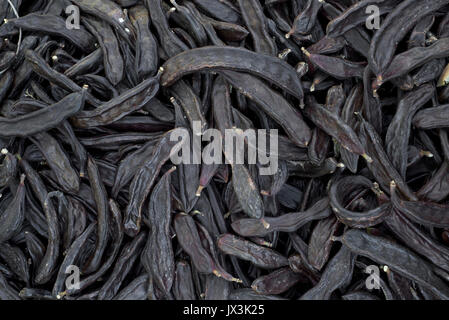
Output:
x,y
334,238
367,158
199,190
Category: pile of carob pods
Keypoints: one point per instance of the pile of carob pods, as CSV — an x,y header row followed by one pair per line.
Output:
x,y
348,100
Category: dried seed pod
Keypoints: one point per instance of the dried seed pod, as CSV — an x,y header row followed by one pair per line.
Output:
x,y
260,256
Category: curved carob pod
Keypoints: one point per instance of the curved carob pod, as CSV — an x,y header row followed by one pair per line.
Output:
x,y
381,166
58,160
327,45
273,104
8,168
144,180
337,273
146,49
117,235
101,201
372,110
420,33
398,132
12,217
333,125
223,10
340,197
129,165
321,242
255,20
136,290
110,12
14,257
118,107
305,21
276,282
7,292
52,24
183,287
436,188
186,17
419,240
48,263
432,118
168,40
405,62
396,257
336,67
